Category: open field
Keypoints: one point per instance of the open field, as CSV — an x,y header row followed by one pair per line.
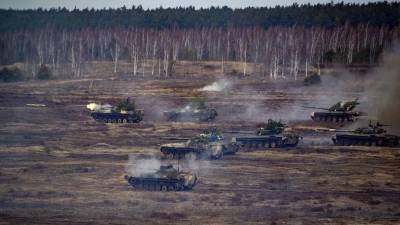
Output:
x,y
58,166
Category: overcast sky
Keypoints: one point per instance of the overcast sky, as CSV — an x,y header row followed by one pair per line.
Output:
x,y
24,4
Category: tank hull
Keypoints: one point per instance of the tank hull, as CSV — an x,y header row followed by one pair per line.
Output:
x,y
208,152
273,141
202,116
159,184
117,117
334,116
366,140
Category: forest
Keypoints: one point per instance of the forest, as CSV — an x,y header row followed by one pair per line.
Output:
x,y
283,40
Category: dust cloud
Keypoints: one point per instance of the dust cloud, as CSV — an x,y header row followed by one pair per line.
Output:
x,y
219,85
383,90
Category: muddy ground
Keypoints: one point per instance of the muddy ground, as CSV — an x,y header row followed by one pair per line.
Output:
x,y
58,166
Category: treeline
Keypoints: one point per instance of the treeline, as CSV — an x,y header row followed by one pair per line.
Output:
x,y
324,15
282,51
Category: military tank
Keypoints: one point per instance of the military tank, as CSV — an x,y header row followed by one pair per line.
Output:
x,y
373,135
167,178
195,111
339,112
125,112
271,134
208,144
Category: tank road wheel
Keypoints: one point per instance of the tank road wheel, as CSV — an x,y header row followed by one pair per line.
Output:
x,y
124,121
164,188
178,187
119,121
171,188
263,144
272,144
105,120
141,186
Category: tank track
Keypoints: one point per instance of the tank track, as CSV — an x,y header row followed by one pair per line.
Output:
x,y
115,118
263,142
332,117
347,140
156,184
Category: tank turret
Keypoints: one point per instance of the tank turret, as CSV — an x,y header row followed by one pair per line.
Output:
x,y
373,134
124,112
167,178
271,127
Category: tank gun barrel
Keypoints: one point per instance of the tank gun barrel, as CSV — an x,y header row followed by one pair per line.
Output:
x,y
239,132
175,138
312,107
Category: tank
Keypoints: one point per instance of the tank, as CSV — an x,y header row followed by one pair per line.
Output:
x,y
209,144
195,111
373,135
272,134
340,112
314,78
125,112
167,178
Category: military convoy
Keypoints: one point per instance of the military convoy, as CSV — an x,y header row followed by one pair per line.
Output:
x,y
271,135
209,144
195,111
167,178
125,112
373,135
339,112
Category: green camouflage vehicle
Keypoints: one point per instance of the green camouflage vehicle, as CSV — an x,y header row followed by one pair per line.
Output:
x,y
125,112
373,135
209,144
339,112
166,178
197,110
271,134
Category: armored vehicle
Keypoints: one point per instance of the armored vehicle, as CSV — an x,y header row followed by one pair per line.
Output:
x,y
166,178
339,112
314,78
271,134
208,144
373,135
125,112
195,111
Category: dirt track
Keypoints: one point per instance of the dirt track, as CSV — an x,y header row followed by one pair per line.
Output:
x,y
58,166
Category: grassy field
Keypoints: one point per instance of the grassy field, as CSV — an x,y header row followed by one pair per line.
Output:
x,y
59,166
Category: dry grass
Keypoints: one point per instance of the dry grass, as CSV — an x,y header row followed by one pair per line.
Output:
x,y
58,166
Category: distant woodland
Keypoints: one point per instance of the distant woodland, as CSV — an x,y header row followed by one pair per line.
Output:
x,y
284,40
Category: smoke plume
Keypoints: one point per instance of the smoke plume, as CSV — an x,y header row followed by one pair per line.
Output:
x,y
383,91
139,167
219,85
